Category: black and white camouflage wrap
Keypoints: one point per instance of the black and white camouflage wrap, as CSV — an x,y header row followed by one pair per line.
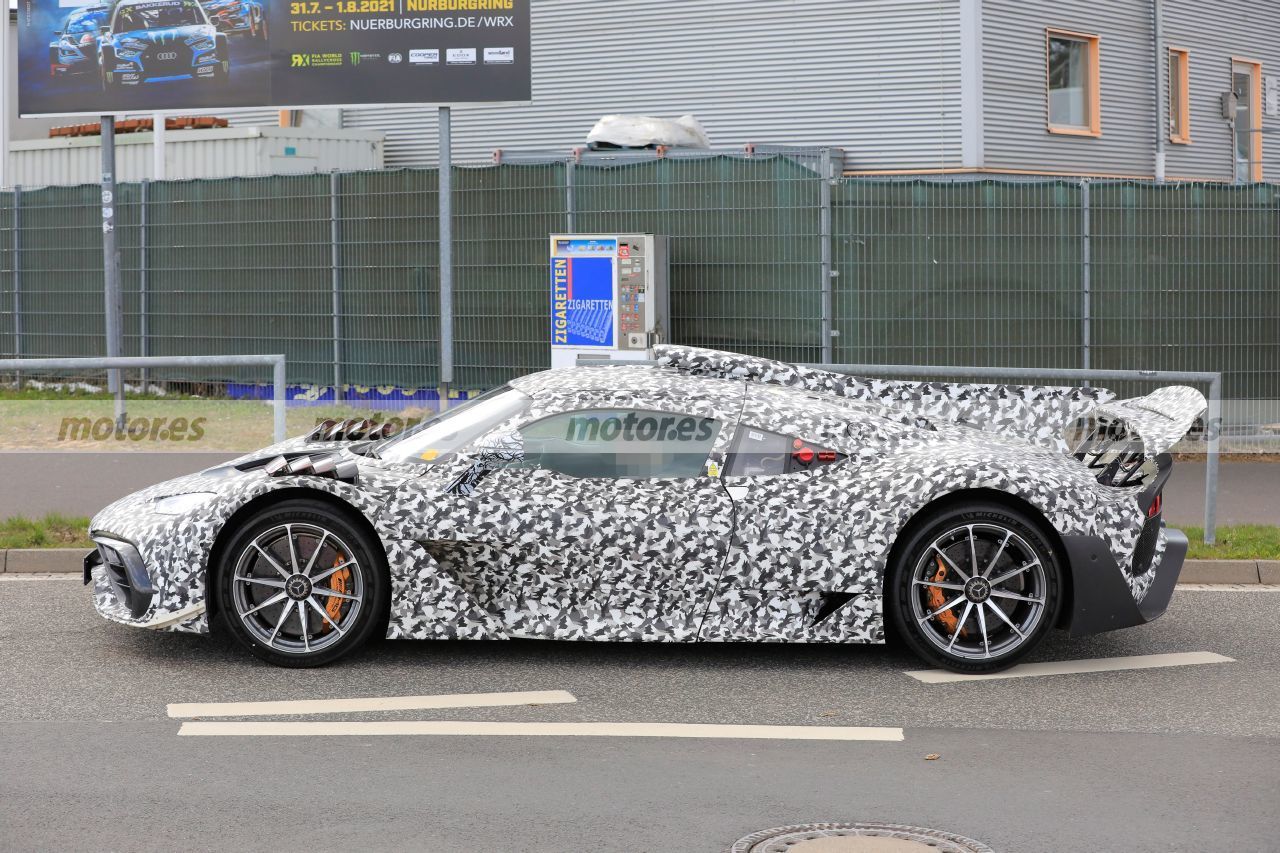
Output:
x,y
479,548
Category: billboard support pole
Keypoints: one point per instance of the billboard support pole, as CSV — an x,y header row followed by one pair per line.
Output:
x,y
111,266
6,63
445,192
158,170
144,294
335,282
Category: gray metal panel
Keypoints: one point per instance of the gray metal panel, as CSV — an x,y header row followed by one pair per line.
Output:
x,y
1013,75
211,153
880,78
1214,31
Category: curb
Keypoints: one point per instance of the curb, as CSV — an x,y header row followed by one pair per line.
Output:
x,y
44,560
70,560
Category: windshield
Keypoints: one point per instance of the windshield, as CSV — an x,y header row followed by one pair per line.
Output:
x,y
87,22
158,16
438,439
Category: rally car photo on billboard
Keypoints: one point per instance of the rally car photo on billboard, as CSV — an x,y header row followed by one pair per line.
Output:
x,y
74,49
148,40
246,17
703,497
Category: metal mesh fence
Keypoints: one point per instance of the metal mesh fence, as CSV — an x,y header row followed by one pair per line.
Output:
x,y
1020,273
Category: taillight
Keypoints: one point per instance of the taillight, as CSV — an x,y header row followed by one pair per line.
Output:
x,y
803,454
1155,507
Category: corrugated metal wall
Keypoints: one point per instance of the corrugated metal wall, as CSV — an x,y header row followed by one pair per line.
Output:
x,y
1013,46
879,78
1014,98
1237,28
212,153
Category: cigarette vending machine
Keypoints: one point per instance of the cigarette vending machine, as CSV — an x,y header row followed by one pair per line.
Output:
x,y
608,296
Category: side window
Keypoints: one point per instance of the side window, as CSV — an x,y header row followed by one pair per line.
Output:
x,y
761,453
620,443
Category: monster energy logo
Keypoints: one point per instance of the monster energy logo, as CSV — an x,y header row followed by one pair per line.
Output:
x,y
355,57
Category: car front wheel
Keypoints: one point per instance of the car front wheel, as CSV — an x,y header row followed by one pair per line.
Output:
x,y
302,585
975,588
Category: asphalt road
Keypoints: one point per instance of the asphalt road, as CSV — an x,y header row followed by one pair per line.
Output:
x,y
1170,759
83,483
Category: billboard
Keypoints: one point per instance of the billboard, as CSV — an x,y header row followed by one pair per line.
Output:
x,y
91,57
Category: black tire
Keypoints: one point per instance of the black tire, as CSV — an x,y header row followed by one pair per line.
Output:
x,y
246,579
1030,598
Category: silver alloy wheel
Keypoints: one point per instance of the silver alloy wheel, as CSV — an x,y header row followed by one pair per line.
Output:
x,y
297,588
978,591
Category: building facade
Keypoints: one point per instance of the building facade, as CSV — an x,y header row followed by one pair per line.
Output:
x,y
904,85
1182,89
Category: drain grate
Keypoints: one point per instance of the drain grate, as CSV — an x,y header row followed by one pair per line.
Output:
x,y
855,838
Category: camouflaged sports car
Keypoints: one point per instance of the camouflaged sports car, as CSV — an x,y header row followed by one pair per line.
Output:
x,y
704,497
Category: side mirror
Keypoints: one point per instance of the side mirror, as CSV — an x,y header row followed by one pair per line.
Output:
x,y
490,454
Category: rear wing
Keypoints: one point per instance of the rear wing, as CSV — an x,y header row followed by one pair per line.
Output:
x,y
1122,439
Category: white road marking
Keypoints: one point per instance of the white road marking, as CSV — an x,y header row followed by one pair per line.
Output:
x,y
1228,587
41,576
1069,667
376,703
314,728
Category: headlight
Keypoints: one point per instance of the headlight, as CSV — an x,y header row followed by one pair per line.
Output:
x,y
201,44
128,54
182,504
136,44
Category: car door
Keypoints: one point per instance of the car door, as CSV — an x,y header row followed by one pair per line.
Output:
x,y
614,523
795,570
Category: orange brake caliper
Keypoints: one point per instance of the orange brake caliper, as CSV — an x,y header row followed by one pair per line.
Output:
x,y
338,582
938,597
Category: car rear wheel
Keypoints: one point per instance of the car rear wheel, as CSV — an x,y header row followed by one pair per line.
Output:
x,y
302,585
975,588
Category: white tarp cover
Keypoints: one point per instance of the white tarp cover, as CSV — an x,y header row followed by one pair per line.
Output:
x,y
618,131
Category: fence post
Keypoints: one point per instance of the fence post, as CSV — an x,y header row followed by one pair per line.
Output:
x,y
17,279
144,343
569,201
1086,278
825,179
278,380
335,282
1211,464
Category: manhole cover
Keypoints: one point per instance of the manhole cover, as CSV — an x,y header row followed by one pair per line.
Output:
x,y
856,838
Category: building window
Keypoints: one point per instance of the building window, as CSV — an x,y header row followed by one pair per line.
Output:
x,y
1179,95
1072,61
1246,85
